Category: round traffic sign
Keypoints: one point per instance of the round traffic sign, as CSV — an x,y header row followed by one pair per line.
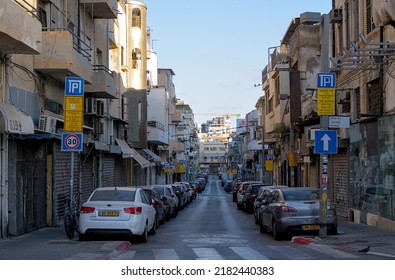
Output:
x,y
71,141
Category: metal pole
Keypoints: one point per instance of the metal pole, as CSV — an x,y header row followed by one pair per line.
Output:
x,y
263,156
71,175
324,124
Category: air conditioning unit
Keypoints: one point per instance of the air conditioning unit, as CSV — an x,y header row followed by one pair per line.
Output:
x,y
90,105
336,15
47,124
310,135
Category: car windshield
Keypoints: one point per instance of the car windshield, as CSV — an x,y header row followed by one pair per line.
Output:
x,y
113,195
301,195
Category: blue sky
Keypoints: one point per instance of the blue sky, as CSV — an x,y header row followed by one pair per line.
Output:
x,y
218,48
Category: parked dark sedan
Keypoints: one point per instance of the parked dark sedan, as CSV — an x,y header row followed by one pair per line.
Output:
x,y
157,202
289,210
249,197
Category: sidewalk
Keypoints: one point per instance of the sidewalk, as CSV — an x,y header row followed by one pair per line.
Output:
x,y
353,237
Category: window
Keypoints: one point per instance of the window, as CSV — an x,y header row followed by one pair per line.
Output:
x,y
136,59
136,17
374,97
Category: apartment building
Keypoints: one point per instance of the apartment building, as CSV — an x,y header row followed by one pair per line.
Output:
x,y
355,40
103,42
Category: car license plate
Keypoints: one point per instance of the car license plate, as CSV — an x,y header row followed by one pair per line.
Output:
x,y
109,213
311,227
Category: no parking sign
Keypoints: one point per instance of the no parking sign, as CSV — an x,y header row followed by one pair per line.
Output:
x,y
71,142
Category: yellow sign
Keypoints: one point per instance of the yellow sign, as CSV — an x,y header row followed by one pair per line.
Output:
x,y
74,103
269,165
73,121
167,170
74,113
180,168
326,100
292,162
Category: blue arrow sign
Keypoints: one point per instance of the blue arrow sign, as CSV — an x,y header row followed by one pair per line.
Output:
x,y
325,142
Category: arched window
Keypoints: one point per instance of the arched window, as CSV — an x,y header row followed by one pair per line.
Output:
x,y
136,59
136,17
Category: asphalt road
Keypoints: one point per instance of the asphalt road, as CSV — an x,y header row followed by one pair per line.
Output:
x,y
211,228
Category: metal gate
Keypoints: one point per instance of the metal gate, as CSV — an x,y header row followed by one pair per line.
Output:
x,y
30,186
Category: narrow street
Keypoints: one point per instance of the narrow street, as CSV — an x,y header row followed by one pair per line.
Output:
x,y
211,228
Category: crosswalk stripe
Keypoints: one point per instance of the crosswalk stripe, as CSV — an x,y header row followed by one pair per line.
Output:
x,y
207,254
129,255
165,254
291,252
248,253
328,250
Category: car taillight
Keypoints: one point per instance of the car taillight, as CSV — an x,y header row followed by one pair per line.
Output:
x,y
284,208
249,196
133,210
87,210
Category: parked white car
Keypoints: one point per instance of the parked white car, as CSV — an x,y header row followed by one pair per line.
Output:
x,y
125,211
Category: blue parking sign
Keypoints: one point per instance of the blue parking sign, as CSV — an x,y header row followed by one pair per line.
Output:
x,y
74,86
326,80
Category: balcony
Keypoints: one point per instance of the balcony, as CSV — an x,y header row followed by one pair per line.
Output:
x,y
176,117
63,55
103,83
101,9
157,134
20,31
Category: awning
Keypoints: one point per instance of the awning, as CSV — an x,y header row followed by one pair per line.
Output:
x,y
140,159
101,146
128,152
14,120
154,156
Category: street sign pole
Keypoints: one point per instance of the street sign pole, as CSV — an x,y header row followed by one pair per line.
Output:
x,y
324,123
73,121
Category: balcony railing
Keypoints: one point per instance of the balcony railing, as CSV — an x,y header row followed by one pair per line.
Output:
x,y
156,124
29,8
61,22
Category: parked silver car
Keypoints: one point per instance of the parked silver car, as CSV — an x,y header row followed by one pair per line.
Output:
x,y
288,210
259,198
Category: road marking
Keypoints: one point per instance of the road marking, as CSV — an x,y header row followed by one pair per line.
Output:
x,y
207,254
129,255
248,253
165,254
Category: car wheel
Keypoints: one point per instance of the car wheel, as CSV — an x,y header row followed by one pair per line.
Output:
x,y
276,233
163,221
256,219
262,229
154,226
144,236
